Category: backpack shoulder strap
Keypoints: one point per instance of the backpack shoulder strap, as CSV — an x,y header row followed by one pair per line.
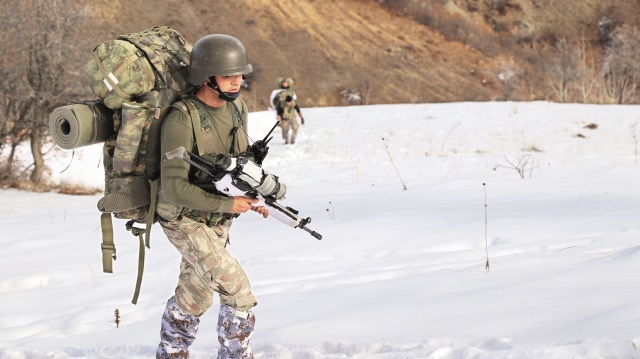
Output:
x,y
188,108
239,107
206,141
239,112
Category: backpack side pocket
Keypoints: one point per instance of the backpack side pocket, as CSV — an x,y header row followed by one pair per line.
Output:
x,y
125,157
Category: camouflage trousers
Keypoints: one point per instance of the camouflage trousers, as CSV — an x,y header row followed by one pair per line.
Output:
x,y
177,333
289,130
207,267
234,333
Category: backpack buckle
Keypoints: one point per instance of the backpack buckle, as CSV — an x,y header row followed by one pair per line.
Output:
x,y
109,247
134,230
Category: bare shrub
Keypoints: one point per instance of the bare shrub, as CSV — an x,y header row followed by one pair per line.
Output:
x,y
34,70
77,189
622,64
564,69
9,174
572,74
525,164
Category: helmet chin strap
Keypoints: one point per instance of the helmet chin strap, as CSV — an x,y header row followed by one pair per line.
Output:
x,y
227,96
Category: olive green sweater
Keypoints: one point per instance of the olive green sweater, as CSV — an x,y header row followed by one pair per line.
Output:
x,y
177,130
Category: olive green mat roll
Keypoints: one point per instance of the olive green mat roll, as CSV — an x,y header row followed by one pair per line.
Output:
x,y
81,124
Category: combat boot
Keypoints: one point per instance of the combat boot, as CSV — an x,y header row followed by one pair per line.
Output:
x,y
234,333
177,333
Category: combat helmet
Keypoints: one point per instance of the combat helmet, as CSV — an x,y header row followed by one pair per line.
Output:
x,y
289,81
217,55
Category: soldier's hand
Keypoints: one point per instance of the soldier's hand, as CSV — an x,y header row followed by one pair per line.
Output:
x,y
262,210
242,204
302,120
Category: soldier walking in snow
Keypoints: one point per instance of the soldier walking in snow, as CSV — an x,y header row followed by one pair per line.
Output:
x,y
286,104
197,222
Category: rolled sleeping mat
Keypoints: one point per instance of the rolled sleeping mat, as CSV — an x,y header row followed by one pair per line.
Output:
x,y
81,124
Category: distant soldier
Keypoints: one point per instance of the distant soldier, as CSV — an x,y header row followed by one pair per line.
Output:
x,y
286,105
283,83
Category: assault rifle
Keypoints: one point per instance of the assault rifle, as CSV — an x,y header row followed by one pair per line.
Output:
x,y
238,176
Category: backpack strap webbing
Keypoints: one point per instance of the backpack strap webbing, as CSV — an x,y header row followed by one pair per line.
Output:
x,y
131,196
151,214
108,247
152,211
195,122
211,142
140,233
241,141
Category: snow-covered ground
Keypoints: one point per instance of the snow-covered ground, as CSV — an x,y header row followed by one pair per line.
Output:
x,y
399,273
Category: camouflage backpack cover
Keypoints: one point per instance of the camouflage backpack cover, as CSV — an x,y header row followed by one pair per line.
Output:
x,y
139,76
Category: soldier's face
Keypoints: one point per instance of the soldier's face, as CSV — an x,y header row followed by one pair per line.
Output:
x,y
229,83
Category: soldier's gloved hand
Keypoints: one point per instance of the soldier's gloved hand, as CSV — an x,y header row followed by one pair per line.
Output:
x,y
302,120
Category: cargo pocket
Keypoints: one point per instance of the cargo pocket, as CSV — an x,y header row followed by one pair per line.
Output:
x,y
129,137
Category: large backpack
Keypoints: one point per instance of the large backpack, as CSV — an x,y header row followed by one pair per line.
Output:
x,y
139,76
276,101
279,98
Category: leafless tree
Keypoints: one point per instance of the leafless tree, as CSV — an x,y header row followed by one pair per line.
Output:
x,y
622,63
590,82
564,69
38,71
